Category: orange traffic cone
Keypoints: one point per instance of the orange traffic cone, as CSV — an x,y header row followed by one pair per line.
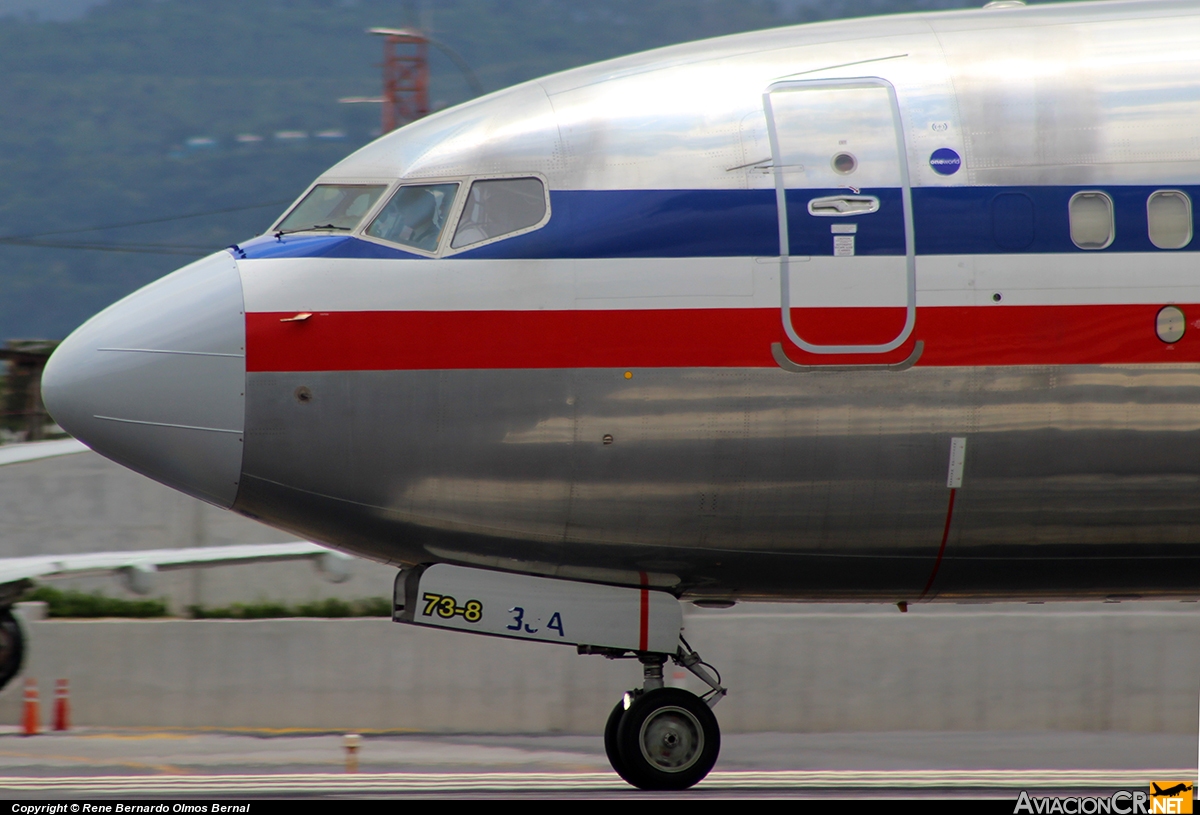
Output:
x,y
62,705
33,710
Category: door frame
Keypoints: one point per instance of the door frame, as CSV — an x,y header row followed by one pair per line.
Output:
x,y
910,319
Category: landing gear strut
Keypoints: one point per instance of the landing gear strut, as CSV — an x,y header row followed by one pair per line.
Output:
x,y
660,738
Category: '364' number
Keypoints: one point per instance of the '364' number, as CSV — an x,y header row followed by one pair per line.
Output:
x,y
519,624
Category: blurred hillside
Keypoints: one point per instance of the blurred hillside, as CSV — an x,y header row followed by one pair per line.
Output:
x,y
131,110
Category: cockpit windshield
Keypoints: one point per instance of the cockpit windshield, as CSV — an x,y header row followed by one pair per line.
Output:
x,y
332,206
415,216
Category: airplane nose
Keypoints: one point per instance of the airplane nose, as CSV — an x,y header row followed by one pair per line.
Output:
x,y
156,382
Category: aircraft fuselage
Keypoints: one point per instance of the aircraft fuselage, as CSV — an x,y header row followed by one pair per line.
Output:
x,y
981,226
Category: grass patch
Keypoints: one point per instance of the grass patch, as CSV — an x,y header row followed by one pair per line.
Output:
x,y
332,607
78,604
72,603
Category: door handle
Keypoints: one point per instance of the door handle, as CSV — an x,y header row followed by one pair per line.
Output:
x,y
843,205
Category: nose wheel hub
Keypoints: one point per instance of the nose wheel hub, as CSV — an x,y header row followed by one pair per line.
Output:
x,y
671,739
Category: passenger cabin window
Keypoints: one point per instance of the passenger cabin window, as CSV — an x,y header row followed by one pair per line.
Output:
x,y
1169,215
332,206
1091,215
499,207
415,216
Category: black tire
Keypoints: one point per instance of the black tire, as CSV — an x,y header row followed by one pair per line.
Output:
x,y
12,646
610,741
668,740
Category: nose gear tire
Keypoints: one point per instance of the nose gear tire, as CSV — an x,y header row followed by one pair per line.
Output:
x,y
610,741
667,740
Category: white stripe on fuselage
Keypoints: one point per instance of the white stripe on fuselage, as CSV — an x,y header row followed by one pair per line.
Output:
x,y
338,285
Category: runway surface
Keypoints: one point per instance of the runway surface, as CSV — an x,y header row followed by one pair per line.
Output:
x,y
170,764
986,783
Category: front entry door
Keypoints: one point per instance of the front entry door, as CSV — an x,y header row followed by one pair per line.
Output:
x,y
847,264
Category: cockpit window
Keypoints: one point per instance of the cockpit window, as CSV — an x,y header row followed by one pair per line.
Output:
x,y
498,207
415,216
332,206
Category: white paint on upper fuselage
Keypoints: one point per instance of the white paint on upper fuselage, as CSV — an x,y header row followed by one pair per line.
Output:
x,y
317,284
1087,93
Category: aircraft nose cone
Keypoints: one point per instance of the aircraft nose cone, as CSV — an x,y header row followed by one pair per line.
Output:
x,y
156,382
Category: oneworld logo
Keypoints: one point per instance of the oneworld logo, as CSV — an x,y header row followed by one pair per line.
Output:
x,y
945,161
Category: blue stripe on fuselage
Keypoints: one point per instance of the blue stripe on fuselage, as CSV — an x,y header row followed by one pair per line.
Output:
x,y
316,245
694,223
994,220
743,223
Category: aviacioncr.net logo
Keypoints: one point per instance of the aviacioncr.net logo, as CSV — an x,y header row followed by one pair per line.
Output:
x,y
1171,799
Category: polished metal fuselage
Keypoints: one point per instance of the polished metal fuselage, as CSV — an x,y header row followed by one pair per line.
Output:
x,y
728,480
1078,482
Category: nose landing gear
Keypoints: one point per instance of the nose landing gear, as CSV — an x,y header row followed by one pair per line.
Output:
x,y
657,738
660,738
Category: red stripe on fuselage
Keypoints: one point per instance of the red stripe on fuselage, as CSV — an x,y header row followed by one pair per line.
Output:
x,y
693,338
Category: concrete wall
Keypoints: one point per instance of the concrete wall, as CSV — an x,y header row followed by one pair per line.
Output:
x,y
86,503
1130,667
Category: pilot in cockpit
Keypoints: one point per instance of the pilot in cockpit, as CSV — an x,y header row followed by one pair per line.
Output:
x,y
415,216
